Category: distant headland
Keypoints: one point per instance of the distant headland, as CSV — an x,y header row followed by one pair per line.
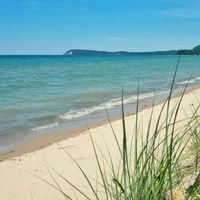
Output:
x,y
82,52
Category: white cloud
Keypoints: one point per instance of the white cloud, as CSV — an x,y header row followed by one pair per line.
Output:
x,y
183,13
72,28
33,4
119,39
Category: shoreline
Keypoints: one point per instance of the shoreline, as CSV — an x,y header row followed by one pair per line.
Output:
x,y
43,141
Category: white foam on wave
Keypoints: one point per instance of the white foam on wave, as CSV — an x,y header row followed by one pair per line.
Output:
x,y
110,104
44,127
189,81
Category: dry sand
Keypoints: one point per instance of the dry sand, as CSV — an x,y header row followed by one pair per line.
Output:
x,y
18,175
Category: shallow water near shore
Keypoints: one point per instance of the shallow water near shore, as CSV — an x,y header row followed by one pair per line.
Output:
x,y
44,94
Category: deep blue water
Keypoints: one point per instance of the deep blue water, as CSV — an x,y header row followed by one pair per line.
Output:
x,y
40,93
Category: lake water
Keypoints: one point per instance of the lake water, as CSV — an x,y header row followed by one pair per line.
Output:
x,y
41,94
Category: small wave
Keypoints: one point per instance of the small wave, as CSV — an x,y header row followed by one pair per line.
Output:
x,y
189,81
44,127
110,104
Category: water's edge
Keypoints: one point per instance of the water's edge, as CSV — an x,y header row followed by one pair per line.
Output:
x,y
38,142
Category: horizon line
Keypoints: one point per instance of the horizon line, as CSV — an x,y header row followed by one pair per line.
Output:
x,y
56,54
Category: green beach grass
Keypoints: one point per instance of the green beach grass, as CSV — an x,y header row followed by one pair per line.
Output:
x,y
159,164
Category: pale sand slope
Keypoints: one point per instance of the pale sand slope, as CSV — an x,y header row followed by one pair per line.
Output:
x,y
16,175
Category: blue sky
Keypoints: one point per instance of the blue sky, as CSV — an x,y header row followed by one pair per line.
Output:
x,y
54,26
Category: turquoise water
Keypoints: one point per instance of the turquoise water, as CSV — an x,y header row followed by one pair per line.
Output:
x,y
40,94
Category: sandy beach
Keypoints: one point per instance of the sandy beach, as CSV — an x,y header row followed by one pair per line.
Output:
x,y
21,170
99,100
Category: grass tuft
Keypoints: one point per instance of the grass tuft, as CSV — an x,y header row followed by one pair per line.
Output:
x,y
160,162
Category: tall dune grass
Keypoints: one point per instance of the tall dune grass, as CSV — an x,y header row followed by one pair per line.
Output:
x,y
153,164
